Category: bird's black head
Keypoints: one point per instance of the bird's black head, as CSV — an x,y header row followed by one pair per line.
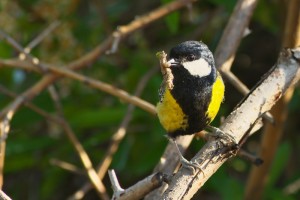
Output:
x,y
191,50
193,58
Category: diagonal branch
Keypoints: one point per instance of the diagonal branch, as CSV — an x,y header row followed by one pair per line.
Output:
x,y
97,84
93,55
283,75
233,34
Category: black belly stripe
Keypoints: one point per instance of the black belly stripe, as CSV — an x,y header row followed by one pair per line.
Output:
x,y
193,94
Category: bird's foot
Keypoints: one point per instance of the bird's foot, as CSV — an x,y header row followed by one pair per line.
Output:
x,y
184,162
218,133
193,166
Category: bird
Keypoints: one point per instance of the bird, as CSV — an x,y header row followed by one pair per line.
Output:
x,y
193,100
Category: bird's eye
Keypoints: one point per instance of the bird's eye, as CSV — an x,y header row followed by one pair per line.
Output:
x,y
190,57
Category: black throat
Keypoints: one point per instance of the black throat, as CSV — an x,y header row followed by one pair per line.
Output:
x,y
193,94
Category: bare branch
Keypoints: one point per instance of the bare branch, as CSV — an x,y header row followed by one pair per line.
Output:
x,y
117,136
283,75
168,163
4,196
233,34
77,145
235,30
41,36
110,89
23,53
66,166
4,130
33,107
90,57
138,190
292,188
97,183
115,184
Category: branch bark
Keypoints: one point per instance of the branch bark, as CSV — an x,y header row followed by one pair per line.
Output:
x,y
138,190
283,75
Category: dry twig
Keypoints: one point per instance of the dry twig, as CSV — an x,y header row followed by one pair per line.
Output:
x,y
117,136
138,190
66,166
93,55
81,152
110,42
108,88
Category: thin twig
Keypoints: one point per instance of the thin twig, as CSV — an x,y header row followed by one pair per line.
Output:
x,y
97,183
93,55
91,172
33,107
41,36
66,166
97,84
23,54
4,130
81,152
138,190
117,136
292,188
115,184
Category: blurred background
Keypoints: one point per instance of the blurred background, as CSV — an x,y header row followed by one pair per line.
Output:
x,y
34,143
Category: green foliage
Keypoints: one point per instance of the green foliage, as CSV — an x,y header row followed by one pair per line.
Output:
x,y
268,15
278,166
172,20
229,4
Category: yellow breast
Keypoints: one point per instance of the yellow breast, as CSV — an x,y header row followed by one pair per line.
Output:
x,y
172,117
170,113
216,99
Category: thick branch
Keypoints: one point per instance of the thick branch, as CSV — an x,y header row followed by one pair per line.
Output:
x,y
284,74
233,34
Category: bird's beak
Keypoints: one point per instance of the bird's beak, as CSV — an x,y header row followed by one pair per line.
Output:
x,y
172,62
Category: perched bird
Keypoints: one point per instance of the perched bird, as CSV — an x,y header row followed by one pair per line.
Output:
x,y
196,92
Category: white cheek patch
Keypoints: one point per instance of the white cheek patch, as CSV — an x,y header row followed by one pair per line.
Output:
x,y
198,67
